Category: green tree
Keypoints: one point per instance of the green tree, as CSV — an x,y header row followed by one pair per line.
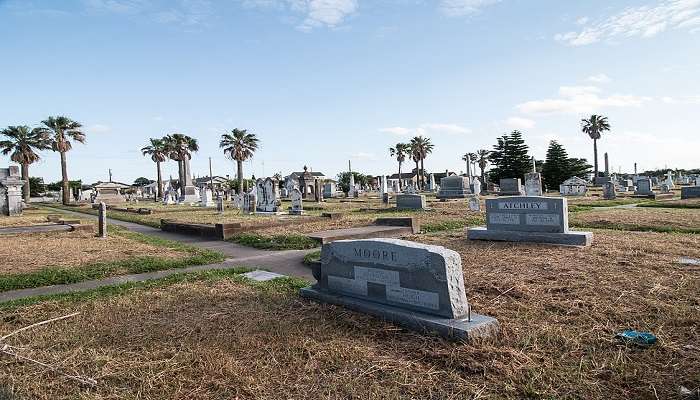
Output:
x,y
63,130
420,148
558,166
510,157
180,148
158,150
22,143
400,150
142,181
344,180
36,186
240,146
594,128
483,161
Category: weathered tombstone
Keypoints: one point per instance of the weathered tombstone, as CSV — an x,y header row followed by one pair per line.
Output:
x,y
665,188
410,189
11,191
383,186
318,191
415,285
432,185
266,196
352,192
510,187
329,190
220,204
238,200
474,203
250,201
533,184
690,192
573,186
297,202
529,219
410,201
102,221
207,198
609,191
644,188
454,187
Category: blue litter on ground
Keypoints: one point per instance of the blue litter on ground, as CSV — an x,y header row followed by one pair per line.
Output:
x,y
639,338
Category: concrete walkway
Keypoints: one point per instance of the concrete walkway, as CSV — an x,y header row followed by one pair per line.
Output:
x,y
287,262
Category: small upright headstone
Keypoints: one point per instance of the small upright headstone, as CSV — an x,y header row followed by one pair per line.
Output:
x,y
410,201
102,221
665,188
644,187
533,184
474,203
454,187
206,198
475,186
510,187
609,191
297,202
415,285
220,204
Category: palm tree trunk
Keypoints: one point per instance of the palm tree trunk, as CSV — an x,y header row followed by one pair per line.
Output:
x,y
239,172
25,177
159,191
422,174
399,176
64,179
595,159
181,176
417,176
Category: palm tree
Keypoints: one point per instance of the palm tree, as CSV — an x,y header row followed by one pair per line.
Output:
x,y
594,127
469,158
483,161
421,147
22,143
399,151
63,129
180,147
240,146
158,150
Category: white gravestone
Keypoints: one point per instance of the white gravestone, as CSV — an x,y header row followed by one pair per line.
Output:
x,y
297,202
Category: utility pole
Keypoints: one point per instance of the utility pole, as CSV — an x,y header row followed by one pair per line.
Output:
x,y
211,176
110,174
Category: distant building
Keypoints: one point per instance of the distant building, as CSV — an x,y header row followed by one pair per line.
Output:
x,y
218,182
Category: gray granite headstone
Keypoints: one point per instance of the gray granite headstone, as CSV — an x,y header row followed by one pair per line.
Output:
x,y
410,201
416,285
690,192
609,191
644,187
454,187
474,203
510,187
529,219
102,221
297,202
533,184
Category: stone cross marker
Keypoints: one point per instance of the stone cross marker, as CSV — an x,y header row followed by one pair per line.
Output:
x,y
102,221
529,219
415,285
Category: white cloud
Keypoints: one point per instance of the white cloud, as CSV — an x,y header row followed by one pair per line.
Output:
x,y
460,8
681,100
183,12
519,123
600,78
427,129
362,156
117,6
580,100
98,128
315,13
643,21
582,21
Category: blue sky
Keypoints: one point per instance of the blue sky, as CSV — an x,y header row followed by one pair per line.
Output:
x,y
322,82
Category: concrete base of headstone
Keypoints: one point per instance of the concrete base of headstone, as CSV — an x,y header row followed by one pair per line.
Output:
x,y
571,238
296,212
477,328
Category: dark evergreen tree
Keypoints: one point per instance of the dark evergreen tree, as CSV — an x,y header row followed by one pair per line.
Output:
x,y
510,157
558,167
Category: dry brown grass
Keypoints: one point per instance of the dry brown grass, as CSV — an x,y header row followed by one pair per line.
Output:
x,y
641,216
558,307
31,252
29,217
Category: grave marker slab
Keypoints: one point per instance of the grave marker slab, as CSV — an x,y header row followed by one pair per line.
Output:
x,y
533,184
454,187
529,219
415,285
690,192
410,201
510,187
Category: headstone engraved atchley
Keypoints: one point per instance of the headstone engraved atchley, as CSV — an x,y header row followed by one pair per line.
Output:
x,y
415,285
529,219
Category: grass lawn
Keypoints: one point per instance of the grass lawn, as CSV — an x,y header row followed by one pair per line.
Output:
x,y
640,219
33,260
216,336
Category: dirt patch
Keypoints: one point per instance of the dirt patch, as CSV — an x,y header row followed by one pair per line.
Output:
x,y
31,252
559,309
29,217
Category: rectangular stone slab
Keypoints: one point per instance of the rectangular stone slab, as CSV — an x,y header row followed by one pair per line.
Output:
x,y
570,238
413,276
528,214
477,328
